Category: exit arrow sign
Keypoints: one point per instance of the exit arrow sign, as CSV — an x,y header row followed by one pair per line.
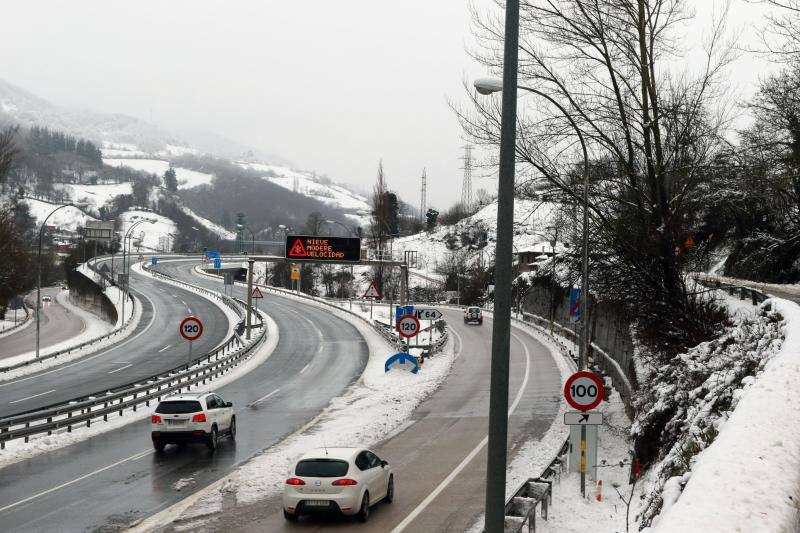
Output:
x,y
576,418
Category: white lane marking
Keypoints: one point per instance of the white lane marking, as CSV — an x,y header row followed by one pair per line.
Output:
x,y
77,479
463,464
305,368
34,396
276,391
121,368
165,348
87,359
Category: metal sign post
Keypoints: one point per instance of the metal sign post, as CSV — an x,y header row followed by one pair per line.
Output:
x,y
584,391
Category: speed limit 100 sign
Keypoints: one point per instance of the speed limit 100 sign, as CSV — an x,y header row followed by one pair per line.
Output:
x,y
191,328
583,391
408,326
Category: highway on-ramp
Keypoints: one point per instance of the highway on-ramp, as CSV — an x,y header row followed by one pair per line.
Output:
x,y
56,323
113,479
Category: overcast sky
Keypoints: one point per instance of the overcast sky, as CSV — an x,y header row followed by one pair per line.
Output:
x,y
332,86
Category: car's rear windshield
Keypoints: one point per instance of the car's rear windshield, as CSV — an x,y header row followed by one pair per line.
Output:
x,y
474,310
178,407
321,468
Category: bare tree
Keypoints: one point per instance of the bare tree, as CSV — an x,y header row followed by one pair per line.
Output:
x,y
605,68
7,151
781,36
379,225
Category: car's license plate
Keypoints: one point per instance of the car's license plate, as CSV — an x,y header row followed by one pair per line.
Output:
x,y
174,422
318,503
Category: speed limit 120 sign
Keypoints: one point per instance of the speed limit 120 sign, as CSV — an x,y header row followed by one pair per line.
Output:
x,y
583,391
191,328
408,326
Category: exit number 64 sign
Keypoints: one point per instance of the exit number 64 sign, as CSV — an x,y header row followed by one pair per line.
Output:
x,y
191,328
583,391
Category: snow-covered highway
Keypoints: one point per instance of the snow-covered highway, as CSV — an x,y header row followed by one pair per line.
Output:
x,y
113,479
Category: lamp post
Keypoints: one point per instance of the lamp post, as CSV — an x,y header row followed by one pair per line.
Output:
x,y
126,262
491,85
39,268
252,237
501,326
488,86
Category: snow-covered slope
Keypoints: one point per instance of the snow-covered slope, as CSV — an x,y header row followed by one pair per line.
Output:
x,y
149,236
186,178
531,222
95,195
212,227
319,188
68,218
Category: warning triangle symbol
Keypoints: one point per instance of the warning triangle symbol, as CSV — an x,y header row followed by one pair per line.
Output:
x,y
372,292
257,293
298,250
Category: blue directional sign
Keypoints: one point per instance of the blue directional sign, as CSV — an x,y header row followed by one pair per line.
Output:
x,y
575,304
217,262
212,255
154,260
402,360
402,310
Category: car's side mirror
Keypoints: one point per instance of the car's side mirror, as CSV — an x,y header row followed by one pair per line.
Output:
x,y
384,464
228,404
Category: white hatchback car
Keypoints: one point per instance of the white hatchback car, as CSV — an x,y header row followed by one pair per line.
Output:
x,y
344,480
200,417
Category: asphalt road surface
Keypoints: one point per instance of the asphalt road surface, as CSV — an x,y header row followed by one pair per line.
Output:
x,y
107,482
153,347
439,462
57,324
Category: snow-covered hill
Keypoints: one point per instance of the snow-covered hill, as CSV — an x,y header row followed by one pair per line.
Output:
x,y
319,188
186,178
533,223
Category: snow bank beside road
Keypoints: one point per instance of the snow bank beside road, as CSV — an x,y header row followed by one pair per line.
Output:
x,y
747,479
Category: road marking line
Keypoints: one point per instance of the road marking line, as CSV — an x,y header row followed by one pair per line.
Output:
x,y
164,348
68,483
463,464
121,368
34,396
305,368
276,391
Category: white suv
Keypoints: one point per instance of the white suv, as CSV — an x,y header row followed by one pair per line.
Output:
x,y
200,417
339,480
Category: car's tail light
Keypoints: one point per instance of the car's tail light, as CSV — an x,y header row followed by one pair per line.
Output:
x,y
199,417
155,419
344,482
295,481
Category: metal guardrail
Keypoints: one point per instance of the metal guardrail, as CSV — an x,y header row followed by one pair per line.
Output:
x,y
24,322
100,404
756,296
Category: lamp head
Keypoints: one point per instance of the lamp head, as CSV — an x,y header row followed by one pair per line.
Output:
x,y
488,85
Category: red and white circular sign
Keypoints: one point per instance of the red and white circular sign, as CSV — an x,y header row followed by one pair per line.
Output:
x,y
584,391
191,328
408,326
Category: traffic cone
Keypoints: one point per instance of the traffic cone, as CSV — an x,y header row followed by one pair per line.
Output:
x,y
598,494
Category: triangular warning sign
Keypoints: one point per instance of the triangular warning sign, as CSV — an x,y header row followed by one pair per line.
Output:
x,y
104,268
257,293
298,250
372,292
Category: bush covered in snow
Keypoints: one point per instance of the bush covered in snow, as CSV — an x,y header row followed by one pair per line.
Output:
x,y
689,397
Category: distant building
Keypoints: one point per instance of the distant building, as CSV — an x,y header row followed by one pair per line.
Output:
x,y
101,231
528,258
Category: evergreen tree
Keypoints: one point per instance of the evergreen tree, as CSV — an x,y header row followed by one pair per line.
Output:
x,y
171,180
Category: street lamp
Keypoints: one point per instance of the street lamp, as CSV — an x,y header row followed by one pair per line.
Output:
x,y
252,237
126,263
39,267
491,85
488,86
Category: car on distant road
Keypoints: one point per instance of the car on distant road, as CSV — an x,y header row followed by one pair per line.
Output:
x,y
199,417
473,315
47,298
337,480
